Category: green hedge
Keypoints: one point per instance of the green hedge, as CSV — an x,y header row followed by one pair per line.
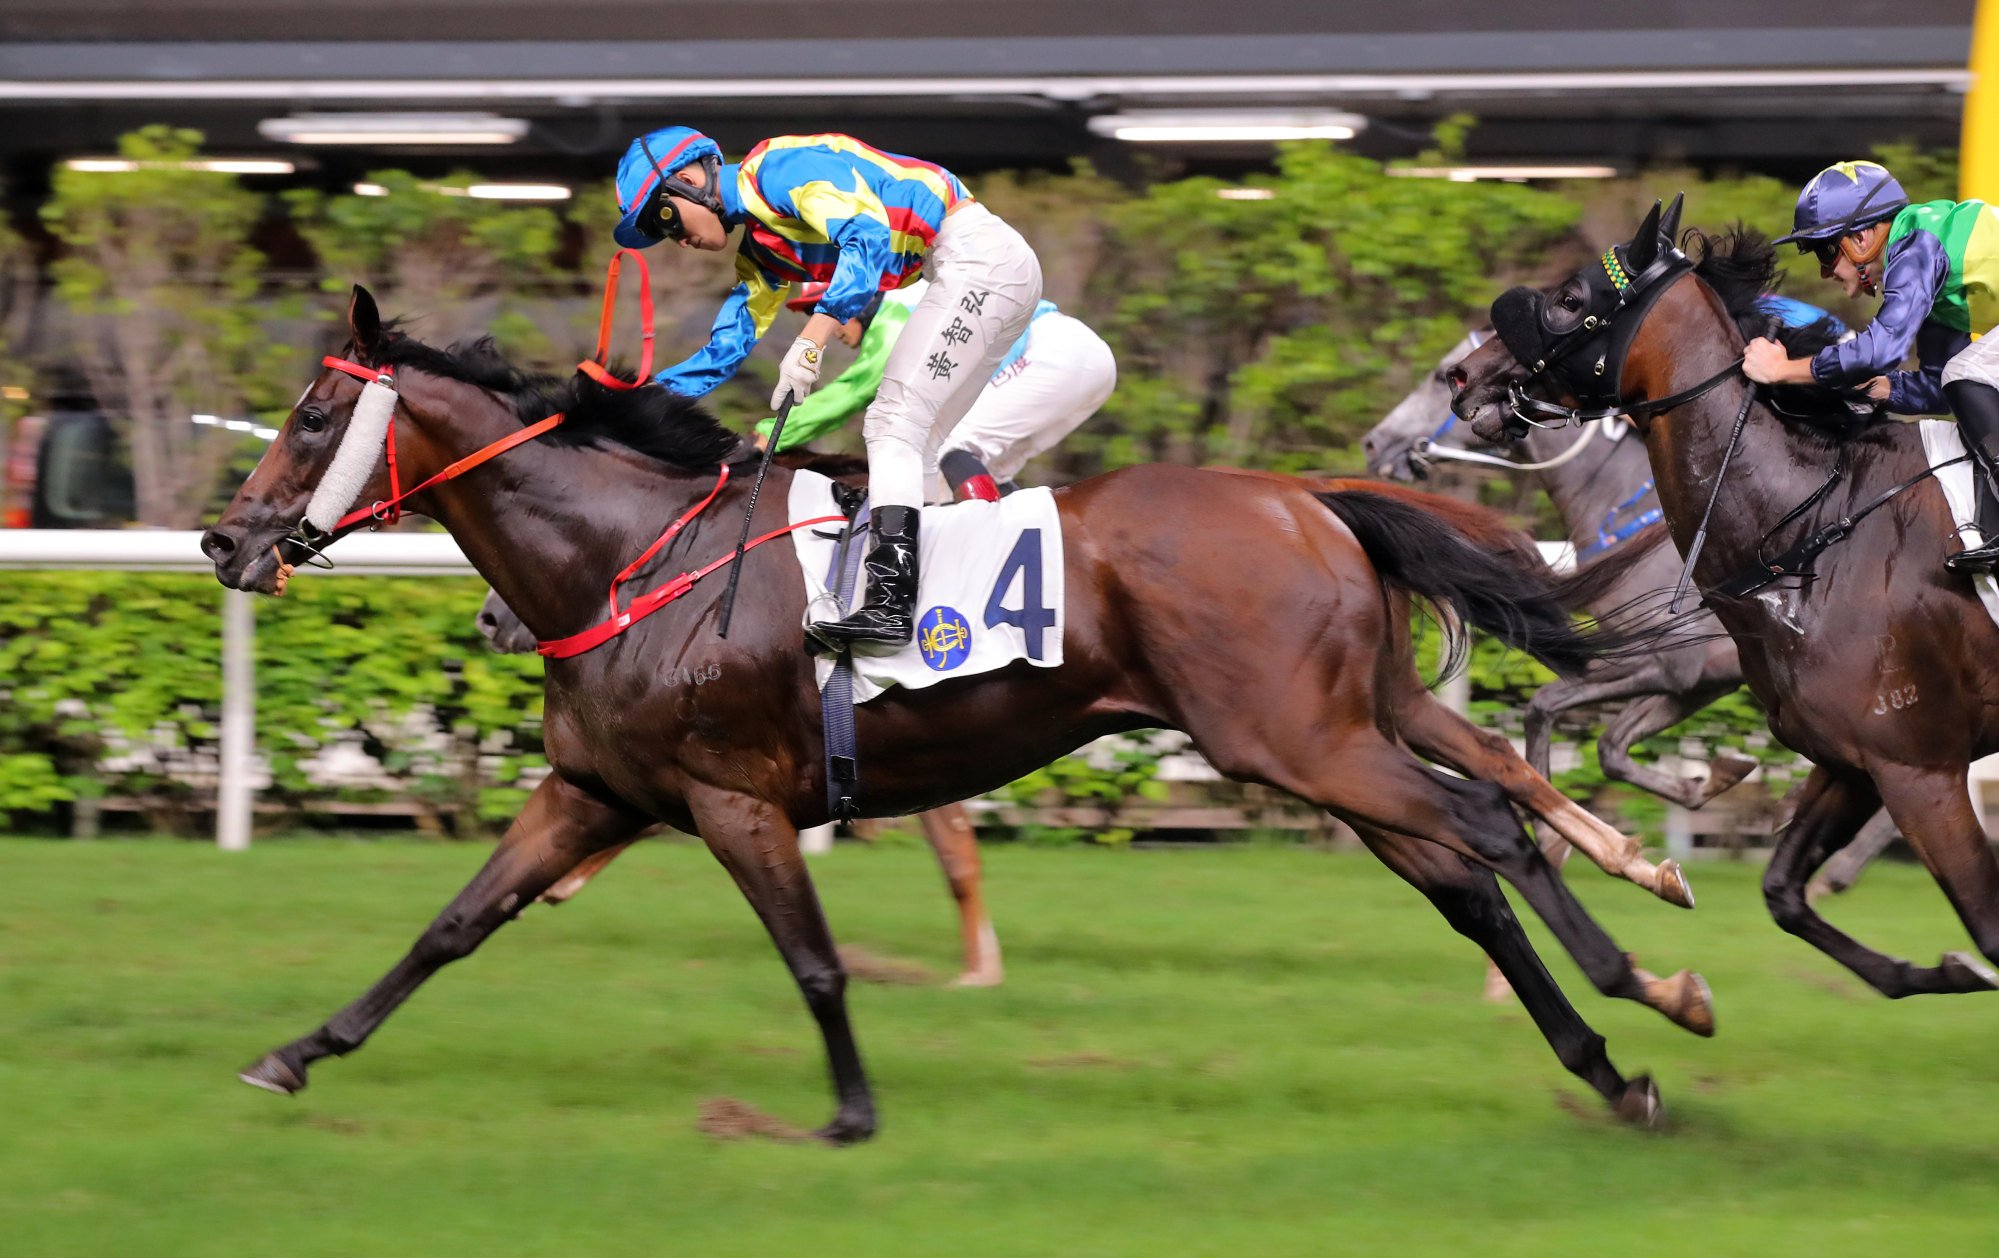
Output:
x,y
95,667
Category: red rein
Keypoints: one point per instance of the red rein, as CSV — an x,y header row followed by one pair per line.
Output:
x,y
390,509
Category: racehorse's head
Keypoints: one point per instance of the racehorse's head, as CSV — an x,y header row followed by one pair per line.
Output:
x,y
1568,340
1394,447
312,472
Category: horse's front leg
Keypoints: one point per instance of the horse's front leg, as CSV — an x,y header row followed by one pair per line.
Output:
x,y
560,826
758,845
1831,808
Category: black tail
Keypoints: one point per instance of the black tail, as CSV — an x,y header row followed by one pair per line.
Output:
x,y
1464,558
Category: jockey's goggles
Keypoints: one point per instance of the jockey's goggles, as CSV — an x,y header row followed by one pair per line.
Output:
x,y
661,217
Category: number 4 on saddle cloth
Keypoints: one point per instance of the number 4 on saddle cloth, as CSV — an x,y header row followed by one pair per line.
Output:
x,y
991,587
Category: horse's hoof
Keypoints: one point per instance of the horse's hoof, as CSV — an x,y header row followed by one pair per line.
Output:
x,y
1967,973
1689,1003
1724,771
274,1074
1673,888
1640,1105
846,1129
979,978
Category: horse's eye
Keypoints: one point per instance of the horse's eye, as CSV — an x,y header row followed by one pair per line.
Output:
x,y
311,420
1571,301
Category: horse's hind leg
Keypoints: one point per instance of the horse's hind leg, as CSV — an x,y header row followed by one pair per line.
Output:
x,y
949,830
1366,778
578,878
1830,809
1844,869
758,845
1439,734
1656,714
559,827
1470,901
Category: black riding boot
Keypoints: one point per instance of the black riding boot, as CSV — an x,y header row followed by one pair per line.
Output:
x,y
1976,406
889,613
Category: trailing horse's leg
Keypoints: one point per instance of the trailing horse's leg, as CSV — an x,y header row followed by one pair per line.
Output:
x,y
1470,901
1655,714
1439,734
757,844
559,827
1844,869
949,830
1933,811
578,878
1366,778
1830,809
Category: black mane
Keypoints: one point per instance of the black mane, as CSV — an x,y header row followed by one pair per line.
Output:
x,y
1740,265
652,421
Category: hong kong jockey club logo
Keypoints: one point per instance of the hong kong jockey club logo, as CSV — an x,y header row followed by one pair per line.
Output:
x,y
944,637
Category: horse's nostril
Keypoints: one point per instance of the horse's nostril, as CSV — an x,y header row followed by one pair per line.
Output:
x,y
217,545
488,623
1456,378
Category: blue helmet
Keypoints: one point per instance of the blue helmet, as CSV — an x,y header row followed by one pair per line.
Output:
x,y
1841,199
653,161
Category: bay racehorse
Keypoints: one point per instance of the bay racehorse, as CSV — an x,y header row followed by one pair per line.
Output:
x,y
1286,670
948,830
1824,561
1600,482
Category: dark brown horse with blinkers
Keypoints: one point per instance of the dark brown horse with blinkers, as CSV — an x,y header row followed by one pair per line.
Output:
x,y
1824,563
1294,671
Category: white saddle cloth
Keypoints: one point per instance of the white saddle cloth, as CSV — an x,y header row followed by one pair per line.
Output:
x,y
991,587
1941,441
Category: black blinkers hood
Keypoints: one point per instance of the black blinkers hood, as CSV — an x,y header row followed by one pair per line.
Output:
x,y
1587,359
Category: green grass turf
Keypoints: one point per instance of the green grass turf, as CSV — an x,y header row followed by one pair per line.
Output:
x,y
1228,1052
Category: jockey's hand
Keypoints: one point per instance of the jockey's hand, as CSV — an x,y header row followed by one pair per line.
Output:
x,y
798,373
1767,362
1878,388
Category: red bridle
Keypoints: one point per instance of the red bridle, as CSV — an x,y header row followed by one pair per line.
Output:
x,y
389,509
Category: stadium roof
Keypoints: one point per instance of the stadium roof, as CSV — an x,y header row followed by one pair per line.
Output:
x,y
982,83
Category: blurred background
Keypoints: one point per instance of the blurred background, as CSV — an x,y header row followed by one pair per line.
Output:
x,y
1278,214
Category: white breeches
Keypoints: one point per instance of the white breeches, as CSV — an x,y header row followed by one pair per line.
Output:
x,y
1063,376
1977,361
984,284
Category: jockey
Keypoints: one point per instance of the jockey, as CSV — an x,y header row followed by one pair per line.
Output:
x,y
832,209
1053,378
1937,268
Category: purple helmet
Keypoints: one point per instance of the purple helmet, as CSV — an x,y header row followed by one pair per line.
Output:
x,y
1841,199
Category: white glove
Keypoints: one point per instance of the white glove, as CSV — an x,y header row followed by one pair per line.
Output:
x,y
797,373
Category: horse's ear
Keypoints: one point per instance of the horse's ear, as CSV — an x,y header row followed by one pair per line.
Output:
x,y
1644,247
364,320
1669,222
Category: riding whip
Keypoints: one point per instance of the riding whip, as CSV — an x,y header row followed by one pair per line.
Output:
x,y
756,487
1700,534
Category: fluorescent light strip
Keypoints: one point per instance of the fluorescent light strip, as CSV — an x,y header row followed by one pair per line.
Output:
x,y
1063,88
217,166
405,137
481,191
1222,134
393,128
1469,174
